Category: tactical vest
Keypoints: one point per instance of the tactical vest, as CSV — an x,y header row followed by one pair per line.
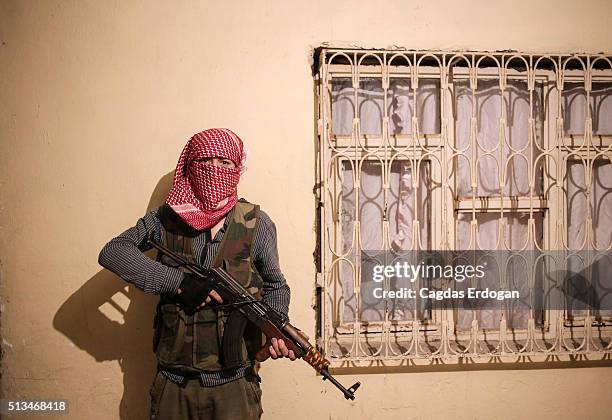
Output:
x,y
211,339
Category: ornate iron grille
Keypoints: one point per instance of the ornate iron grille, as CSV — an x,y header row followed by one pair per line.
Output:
x,y
459,150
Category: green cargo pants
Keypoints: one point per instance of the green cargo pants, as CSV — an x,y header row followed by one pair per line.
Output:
x,y
240,400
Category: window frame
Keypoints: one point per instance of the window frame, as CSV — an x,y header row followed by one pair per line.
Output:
x,y
554,320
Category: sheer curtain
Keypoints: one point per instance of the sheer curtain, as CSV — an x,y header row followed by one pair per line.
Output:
x,y
493,157
401,209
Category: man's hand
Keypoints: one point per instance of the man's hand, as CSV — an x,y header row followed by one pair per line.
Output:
x,y
279,349
212,295
194,293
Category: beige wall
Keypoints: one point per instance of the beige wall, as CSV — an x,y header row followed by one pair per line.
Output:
x,y
97,100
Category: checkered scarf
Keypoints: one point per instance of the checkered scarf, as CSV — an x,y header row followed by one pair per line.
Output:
x,y
202,193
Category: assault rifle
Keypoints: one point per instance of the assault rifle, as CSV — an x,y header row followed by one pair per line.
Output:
x,y
269,321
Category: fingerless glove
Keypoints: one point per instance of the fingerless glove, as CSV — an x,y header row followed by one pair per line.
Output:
x,y
194,290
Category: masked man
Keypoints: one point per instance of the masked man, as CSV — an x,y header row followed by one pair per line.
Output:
x,y
205,351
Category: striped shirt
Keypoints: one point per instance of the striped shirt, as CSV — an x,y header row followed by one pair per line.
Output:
x,y
124,256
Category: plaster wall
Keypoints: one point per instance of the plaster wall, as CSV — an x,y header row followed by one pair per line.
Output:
x,y
98,99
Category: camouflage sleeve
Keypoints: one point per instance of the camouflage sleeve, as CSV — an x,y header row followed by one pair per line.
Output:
x,y
124,256
265,256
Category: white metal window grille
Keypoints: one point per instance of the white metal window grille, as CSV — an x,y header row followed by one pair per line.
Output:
x,y
459,150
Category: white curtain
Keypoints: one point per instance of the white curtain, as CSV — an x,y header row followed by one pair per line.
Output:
x,y
487,102
578,206
574,105
491,151
600,269
370,106
402,213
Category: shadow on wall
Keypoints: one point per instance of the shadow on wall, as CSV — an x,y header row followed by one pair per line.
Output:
x,y
82,319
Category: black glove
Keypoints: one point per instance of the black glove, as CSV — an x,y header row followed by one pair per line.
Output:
x,y
194,290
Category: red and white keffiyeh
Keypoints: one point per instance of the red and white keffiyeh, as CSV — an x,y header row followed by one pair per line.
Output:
x,y
203,193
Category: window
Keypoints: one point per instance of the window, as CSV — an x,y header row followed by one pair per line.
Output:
x,y
461,151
